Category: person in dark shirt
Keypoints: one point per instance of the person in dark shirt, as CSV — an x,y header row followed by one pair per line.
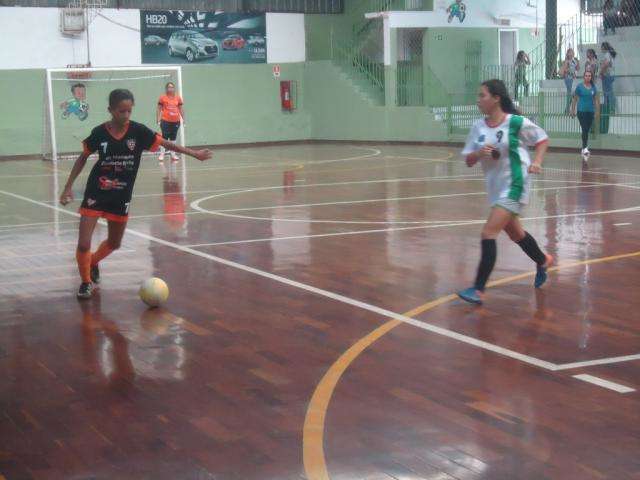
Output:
x,y
119,144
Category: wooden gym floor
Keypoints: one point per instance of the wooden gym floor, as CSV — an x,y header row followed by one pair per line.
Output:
x,y
311,330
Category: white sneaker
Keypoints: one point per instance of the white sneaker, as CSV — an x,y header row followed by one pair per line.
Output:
x,y
585,154
174,158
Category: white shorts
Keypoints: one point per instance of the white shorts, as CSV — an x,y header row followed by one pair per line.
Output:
x,y
509,205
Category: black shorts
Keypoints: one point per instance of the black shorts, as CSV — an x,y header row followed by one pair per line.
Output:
x,y
115,210
169,130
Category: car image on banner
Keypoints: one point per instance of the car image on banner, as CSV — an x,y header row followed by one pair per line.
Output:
x,y
177,36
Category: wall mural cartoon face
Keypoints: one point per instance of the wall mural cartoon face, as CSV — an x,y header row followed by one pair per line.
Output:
x,y
457,10
76,105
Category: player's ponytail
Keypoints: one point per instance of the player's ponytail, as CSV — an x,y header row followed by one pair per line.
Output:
x,y
497,88
118,95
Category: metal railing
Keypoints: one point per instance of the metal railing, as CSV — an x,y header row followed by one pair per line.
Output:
x,y
549,110
616,14
293,6
579,30
365,72
400,5
409,83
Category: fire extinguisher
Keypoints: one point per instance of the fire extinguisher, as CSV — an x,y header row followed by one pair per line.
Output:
x,y
285,96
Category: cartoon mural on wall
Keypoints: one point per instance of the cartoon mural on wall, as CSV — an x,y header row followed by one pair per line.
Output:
x,y
457,10
76,105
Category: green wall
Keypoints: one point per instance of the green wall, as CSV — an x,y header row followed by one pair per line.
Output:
x,y
223,104
454,40
341,113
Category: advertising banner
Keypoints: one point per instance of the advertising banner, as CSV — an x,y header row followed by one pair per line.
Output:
x,y
178,36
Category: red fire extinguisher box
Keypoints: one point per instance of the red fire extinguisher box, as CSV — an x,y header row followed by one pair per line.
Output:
x,y
286,96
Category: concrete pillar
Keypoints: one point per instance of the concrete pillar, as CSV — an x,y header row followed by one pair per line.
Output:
x,y
551,34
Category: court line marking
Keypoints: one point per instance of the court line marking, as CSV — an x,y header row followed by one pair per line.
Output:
x,y
350,301
623,224
616,387
314,424
398,199
49,254
373,152
66,277
325,293
57,267
195,205
463,177
601,361
307,172
554,169
334,234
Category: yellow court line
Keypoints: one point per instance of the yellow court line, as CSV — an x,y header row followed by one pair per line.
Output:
x,y
313,431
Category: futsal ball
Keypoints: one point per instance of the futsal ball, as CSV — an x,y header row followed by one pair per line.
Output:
x,y
154,292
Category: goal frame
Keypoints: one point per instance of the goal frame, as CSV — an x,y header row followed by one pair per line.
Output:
x,y
50,106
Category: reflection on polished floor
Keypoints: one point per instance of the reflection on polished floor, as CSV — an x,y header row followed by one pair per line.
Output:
x,y
311,331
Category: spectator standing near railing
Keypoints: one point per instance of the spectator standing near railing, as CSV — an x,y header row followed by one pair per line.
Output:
x,y
591,63
522,61
569,72
607,74
609,17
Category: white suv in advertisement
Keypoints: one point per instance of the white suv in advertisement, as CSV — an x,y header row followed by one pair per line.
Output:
x,y
192,45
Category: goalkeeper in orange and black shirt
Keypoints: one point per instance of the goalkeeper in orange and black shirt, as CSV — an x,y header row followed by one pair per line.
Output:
x,y
119,143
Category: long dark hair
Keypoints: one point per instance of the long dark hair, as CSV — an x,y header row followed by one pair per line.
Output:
x,y
607,46
593,52
497,88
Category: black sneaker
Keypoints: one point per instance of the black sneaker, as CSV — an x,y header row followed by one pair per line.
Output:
x,y
85,291
95,274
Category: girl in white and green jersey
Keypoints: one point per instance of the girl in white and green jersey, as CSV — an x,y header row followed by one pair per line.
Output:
x,y
499,141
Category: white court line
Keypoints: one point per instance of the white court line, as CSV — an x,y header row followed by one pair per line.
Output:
x,y
616,387
399,199
374,152
66,277
623,224
196,206
418,227
327,294
337,234
28,225
57,267
601,361
49,254
553,169
324,293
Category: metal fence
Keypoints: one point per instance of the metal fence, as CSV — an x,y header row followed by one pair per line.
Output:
x,y
294,6
399,5
409,73
551,111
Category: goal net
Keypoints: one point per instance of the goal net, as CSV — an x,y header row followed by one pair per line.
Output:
x,y
76,101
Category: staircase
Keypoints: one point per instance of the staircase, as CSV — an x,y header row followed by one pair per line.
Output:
x,y
360,56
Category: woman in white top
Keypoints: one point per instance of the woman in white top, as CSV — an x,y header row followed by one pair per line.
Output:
x,y
607,73
499,141
569,72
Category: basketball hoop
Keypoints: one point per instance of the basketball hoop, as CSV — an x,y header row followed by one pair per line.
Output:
x,y
79,72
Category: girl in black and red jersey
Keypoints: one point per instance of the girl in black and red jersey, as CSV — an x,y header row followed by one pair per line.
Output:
x,y
119,143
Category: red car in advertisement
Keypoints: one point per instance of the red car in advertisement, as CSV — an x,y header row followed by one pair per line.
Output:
x,y
233,42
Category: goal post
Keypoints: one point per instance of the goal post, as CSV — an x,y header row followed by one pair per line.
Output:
x,y
77,101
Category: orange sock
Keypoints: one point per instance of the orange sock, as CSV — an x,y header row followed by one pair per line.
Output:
x,y
103,250
84,265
